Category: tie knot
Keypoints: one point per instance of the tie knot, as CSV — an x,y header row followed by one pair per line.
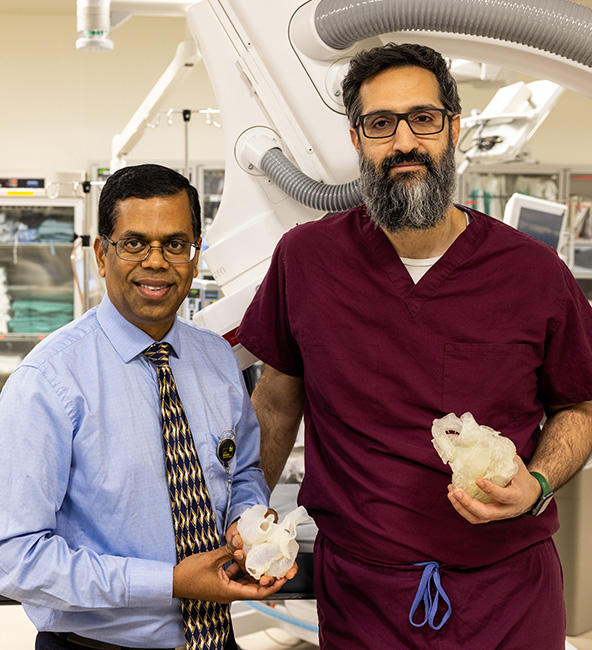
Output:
x,y
158,353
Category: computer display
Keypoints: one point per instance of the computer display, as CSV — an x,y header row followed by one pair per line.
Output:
x,y
542,219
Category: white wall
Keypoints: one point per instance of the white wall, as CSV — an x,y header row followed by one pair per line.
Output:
x,y
61,107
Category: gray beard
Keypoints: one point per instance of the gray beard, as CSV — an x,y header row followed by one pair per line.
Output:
x,y
407,201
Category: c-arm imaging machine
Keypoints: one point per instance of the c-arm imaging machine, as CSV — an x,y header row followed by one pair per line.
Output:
x,y
276,69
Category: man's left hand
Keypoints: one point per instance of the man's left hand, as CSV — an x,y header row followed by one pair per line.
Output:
x,y
507,502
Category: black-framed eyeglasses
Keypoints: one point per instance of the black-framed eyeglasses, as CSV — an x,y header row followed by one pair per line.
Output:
x,y
383,124
132,249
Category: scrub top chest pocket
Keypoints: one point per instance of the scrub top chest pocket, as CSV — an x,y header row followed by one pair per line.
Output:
x,y
496,382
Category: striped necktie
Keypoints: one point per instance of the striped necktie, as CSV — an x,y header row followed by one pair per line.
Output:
x,y
207,624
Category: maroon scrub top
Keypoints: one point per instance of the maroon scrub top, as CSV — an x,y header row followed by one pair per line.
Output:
x,y
498,327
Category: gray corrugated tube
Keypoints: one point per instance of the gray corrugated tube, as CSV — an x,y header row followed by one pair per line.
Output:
x,y
557,26
314,194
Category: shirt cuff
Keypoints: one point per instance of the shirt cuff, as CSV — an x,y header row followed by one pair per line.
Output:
x,y
234,514
150,583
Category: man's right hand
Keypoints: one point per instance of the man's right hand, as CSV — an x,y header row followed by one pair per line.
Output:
x,y
202,577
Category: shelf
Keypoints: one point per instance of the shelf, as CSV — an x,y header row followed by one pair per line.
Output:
x,y
38,276
40,289
17,337
569,183
44,244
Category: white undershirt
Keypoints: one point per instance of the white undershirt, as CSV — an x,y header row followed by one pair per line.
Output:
x,y
417,268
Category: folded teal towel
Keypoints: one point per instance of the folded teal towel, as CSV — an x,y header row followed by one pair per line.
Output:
x,y
40,316
52,230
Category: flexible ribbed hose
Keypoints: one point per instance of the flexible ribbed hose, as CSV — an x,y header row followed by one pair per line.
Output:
x,y
314,194
557,26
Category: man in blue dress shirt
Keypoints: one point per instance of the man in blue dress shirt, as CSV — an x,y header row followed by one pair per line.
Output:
x,y
86,533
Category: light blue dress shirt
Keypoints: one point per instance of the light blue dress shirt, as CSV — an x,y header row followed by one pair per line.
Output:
x,y
86,532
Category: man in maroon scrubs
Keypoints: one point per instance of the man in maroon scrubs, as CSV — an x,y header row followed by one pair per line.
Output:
x,y
376,321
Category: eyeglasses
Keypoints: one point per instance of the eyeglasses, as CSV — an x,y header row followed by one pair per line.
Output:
x,y
132,249
383,124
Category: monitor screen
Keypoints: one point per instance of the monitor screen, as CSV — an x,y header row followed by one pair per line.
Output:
x,y
540,218
544,226
583,259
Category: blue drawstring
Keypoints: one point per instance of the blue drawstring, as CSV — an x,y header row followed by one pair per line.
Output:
x,y
430,582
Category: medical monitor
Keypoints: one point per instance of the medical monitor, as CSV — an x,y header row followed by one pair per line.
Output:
x,y
544,220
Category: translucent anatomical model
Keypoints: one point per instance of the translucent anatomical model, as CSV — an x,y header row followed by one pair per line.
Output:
x,y
270,548
473,452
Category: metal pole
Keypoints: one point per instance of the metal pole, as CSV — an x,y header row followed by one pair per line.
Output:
x,y
186,118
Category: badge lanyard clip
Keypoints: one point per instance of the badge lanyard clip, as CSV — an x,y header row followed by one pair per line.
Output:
x,y
225,452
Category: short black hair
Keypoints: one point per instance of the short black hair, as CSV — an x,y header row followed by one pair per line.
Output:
x,y
144,182
369,63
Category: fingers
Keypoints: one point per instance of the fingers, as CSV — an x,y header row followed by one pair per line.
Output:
x,y
504,502
495,492
276,586
507,502
235,542
237,573
271,511
223,576
204,576
503,495
255,591
467,507
233,570
235,545
235,550
268,580
521,465
292,572
220,556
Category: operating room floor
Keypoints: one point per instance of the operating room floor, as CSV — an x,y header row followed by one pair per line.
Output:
x,y
17,633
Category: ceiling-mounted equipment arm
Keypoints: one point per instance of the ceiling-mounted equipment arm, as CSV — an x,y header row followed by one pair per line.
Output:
x,y
500,132
95,19
186,57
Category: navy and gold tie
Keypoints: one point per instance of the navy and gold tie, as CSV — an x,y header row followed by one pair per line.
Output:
x,y
207,624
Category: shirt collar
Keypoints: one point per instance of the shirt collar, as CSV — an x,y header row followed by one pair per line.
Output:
x,y
128,340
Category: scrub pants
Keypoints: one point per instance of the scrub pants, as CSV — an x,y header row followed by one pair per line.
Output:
x,y
515,604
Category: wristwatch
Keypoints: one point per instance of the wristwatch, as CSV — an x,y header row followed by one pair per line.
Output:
x,y
546,495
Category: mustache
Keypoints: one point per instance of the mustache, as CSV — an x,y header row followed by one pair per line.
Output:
x,y
412,156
